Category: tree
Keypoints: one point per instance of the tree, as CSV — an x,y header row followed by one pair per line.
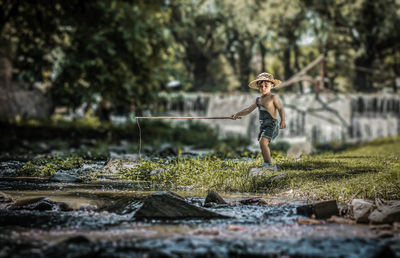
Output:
x,y
116,54
243,27
197,27
29,31
367,27
272,26
108,50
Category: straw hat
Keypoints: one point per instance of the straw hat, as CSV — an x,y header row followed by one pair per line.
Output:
x,y
264,77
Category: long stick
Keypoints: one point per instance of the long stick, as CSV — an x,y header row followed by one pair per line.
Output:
x,y
184,117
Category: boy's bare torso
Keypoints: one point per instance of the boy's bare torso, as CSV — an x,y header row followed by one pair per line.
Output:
x,y
267,101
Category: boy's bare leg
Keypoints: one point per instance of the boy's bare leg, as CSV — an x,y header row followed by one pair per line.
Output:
x,y
264,145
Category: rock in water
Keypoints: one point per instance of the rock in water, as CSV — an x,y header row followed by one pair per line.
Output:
x,y
253,201
5,201
388,212
114,166
299,149
214,197
40,204
4,198
361,210
321,210
171,206
272,180
64,177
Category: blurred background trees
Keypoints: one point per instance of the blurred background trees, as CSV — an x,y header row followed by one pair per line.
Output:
x,y
367,36
119,54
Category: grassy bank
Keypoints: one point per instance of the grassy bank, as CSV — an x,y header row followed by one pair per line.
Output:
x,y
370,171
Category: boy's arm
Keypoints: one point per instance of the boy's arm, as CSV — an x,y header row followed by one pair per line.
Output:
x,y
244,112
278,106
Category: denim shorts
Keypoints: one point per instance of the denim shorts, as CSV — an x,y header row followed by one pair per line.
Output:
x,y
269,128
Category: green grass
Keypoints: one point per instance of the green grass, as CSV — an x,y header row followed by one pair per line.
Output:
x,y
202,174
49,165
370,171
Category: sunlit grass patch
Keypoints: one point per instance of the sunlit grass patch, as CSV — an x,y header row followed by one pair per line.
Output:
x,y
210,172
369,171
343,177
49,165
388,146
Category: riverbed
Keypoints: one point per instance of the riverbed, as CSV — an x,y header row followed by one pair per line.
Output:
x,y
99,222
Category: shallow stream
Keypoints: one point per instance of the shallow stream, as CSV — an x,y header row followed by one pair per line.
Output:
x,y
99,223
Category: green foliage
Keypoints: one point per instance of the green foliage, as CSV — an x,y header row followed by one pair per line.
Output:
x,y
48,169
195,134
197,27
362,33
29,169
88,120
116,52
29,32
282,146
332,146
90,51
49,165
231,146
120,54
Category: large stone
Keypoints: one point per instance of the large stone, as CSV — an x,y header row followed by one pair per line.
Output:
x,y
40,204
257,172
214,197
296,150
5,200
275,179
321,210
64,177
387,212
268,180
253,201
361,210
114,166
171,206
167,150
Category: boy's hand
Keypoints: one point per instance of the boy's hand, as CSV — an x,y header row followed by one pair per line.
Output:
x,y
283,125
234,116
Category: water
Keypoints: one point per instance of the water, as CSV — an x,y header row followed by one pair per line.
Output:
x,y
100,223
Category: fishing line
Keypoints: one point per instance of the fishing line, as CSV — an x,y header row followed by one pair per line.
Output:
x,y
171,117
140,137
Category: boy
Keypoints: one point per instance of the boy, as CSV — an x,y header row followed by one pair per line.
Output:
x,y
267,104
